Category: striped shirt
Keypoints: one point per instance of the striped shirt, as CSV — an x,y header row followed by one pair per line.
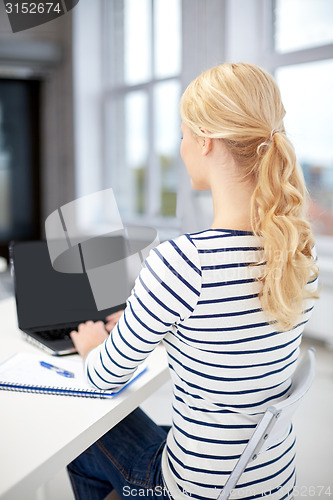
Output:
x,y
227,362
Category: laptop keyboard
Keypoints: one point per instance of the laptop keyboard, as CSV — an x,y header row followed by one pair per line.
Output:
x,y
57,334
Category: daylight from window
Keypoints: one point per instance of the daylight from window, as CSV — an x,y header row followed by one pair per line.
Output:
x,y
142,105
307,95
301,24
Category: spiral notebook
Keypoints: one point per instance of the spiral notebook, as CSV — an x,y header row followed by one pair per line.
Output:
x,y
27,372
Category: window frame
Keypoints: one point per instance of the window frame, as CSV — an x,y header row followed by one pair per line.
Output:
x,y
151,215
273,59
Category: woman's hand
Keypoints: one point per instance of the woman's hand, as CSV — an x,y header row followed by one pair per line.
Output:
x,y
88,335
113,319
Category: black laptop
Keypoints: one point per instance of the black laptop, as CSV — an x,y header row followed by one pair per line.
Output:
x,y
50,304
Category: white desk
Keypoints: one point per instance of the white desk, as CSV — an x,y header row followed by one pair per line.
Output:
x,y
41,434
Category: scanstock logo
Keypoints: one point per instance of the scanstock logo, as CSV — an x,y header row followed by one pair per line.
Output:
x,y
87,236
24,15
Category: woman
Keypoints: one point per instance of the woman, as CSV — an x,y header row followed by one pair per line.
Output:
x,y
230,304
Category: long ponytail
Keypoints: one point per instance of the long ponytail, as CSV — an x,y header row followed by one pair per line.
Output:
x,y
278,216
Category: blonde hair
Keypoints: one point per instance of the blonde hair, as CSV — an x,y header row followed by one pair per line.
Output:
x,y
241,104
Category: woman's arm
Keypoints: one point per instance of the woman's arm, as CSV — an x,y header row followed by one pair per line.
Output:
x,y
165,293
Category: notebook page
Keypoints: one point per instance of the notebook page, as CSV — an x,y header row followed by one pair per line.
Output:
x,y
25,369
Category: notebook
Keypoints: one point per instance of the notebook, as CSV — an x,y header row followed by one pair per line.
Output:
x,y
24,372
50,304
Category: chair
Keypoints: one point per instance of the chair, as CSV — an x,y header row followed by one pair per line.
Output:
x,y
274,422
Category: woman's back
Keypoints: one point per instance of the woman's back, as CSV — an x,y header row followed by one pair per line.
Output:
x,y
227,365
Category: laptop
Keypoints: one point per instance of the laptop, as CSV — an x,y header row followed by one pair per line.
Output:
x,y
50,304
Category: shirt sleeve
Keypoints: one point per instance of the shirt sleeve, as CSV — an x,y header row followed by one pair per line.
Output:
x,y
165,293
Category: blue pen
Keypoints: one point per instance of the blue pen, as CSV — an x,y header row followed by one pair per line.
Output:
x,y
59,371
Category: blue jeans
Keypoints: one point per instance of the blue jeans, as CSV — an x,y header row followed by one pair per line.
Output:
x,y
127,459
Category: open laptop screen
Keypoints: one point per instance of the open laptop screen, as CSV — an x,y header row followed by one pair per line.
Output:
x,y
46,297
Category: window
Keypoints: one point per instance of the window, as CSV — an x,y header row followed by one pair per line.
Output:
x,y
307,95
303,35
140,102
302,24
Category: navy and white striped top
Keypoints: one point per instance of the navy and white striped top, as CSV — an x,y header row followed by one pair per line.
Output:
x,y
227,363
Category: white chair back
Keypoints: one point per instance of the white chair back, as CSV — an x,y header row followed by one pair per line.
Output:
x,y
275,422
